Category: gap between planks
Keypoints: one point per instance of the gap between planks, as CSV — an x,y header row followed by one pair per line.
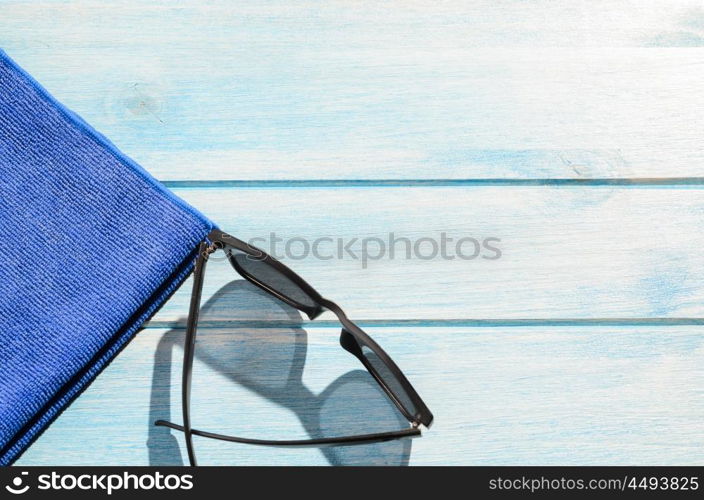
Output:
x,y
696,182
443,323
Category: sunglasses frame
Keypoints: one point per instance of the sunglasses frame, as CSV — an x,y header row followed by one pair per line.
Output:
x,y
352,338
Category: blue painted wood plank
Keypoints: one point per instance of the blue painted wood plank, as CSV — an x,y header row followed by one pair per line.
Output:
x,y
523,395
598,253
280,91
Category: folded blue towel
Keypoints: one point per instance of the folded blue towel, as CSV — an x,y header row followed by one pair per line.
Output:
x,y
90,247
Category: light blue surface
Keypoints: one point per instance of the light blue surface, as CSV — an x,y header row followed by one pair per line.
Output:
x,y
572,131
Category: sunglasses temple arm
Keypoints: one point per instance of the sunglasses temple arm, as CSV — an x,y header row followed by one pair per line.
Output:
x,y
303,443
189,348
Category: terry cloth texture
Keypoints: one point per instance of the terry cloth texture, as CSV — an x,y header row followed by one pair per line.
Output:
x,y
90,246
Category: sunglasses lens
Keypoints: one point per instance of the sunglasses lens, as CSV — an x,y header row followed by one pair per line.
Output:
x,y
267,275
392,382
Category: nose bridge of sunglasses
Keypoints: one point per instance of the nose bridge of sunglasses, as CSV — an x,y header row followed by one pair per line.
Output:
x,y
349,343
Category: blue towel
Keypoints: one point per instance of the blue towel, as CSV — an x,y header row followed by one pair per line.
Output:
x,y
90,247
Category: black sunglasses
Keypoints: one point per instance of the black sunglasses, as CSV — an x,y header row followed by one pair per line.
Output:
x,y
278,280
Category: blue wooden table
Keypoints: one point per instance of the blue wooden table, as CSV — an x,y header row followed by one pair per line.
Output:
x,y
570,131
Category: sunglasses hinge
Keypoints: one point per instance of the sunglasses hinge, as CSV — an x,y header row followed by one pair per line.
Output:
x,y
212,248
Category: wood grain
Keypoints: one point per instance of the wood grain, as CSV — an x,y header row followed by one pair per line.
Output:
x,y
224,91
589,395
590,253
343,116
